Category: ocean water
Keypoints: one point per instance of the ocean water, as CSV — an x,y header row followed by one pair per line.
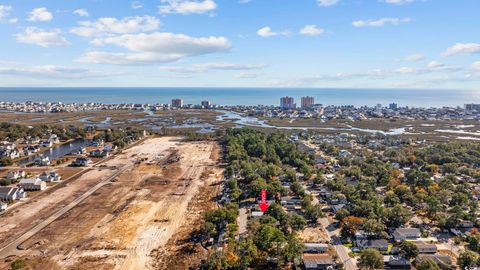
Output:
x,y
244,96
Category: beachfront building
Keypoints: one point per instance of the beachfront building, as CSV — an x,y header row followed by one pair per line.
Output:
x,y
287,103
206,104
307,102
472,107
177,103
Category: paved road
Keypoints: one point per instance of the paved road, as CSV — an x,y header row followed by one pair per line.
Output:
x,y
334,235
349,263
242,220
11,248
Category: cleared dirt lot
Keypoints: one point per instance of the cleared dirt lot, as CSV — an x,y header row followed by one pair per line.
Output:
x,y
128,221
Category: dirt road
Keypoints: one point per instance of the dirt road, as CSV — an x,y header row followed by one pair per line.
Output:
x,y
124,214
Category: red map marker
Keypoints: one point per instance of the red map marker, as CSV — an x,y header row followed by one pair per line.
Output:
x,y
264,206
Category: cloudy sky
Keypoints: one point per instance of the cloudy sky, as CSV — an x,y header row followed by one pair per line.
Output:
x,y
244,43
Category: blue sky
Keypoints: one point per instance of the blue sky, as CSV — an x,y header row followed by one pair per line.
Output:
x,y
241,43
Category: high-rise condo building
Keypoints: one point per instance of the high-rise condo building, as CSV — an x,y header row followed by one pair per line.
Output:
x,y
177,103
287,103
206,104
307,102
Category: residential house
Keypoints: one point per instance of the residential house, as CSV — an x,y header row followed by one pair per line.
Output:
x,y
440,259
99,153
10,194
32,184
424,248
50,177
465,224
315,248
378,244
286,200
396,262
336,208
42,161
53,138
97,143
3,207
401,234
13,153
317,261
81,162
45,144
344,154
80,151
14,175
256,214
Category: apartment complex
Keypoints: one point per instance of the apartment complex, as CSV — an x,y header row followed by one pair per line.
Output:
x,y
307,102
287,103
177,103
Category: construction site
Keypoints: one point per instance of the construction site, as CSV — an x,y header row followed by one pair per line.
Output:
x,y
135,210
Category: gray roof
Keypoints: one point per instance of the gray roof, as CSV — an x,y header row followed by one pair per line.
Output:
x,y
408,231
314,260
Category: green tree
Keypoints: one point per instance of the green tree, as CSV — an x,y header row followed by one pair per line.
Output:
x,y
5,161
370,259
428,264
468,260
297,222
408,249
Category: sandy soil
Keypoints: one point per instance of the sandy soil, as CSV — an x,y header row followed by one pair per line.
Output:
x,y
130,222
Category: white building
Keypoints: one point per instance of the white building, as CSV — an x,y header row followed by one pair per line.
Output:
x,y
14,175
50,177
32,184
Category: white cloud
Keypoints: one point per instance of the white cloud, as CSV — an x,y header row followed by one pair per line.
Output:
x,y
13,20
53,72
136,5
311,30
380,22
435,64
327,3
462,48
4,11
476,66
81,12
406,70
267,32
42,38
40,15
196,68
154,48
245,75
109,26
186,7
397,2
414,57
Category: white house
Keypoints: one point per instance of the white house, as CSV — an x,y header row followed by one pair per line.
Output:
x,y
3,207
53,139
32,184
14,175
50,177
82,162
9,194
46,144
42,161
